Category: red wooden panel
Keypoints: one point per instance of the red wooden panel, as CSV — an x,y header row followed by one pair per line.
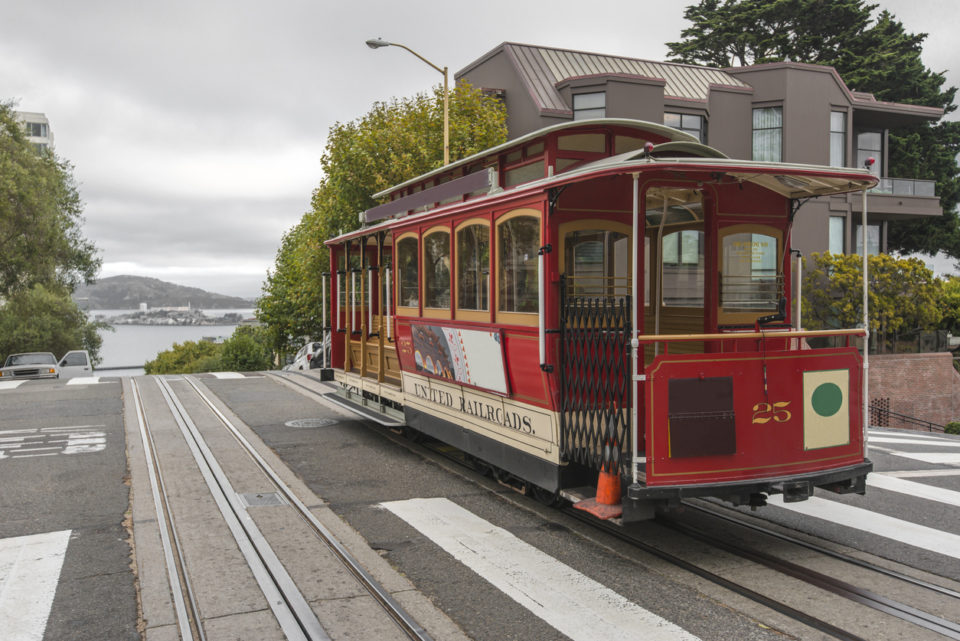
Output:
x,y
777,434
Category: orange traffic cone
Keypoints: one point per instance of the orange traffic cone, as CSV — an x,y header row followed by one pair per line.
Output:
x,y
606,505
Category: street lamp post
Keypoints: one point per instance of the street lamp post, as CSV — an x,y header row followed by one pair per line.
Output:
x,y
377,43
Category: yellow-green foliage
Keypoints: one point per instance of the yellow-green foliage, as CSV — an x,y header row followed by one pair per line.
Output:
x,y
188,357
903,294
396,141
246,350
950,305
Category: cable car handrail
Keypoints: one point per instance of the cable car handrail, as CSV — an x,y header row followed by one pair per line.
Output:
x,y
771,333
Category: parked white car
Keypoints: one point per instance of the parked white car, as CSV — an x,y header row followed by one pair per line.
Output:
x,y
76,363
30,365
305,356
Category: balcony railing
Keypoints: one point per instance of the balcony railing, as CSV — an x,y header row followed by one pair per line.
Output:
x,y
905,187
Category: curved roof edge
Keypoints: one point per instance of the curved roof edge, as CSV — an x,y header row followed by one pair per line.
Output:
x,y
675,135
683,147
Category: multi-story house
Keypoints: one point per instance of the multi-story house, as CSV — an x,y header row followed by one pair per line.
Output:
x,y
37,128
784,112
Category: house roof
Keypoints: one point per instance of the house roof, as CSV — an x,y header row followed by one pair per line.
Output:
x,y
894,113
542,69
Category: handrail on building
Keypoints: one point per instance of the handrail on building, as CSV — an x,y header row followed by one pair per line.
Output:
x,y
880,417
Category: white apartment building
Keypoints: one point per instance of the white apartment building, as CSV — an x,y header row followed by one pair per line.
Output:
x,y
37,128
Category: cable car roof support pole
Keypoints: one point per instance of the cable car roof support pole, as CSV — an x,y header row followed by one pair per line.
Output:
x,y
634,343
866,325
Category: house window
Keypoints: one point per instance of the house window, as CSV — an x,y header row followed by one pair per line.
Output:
x,y
838,227
689,123
870,145
838,139
473,267
589,105
36,129
768,134
873,239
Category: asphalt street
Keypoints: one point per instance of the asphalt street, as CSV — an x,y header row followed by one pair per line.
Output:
x,y
64,477
63,468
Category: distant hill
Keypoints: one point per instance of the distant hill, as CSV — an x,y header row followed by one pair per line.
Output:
x,y
127,292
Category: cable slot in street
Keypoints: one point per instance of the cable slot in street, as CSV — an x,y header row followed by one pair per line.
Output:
x,y
291,610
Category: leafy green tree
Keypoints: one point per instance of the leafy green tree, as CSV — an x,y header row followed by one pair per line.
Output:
x,y
873,55
395,141
40,217
189,357
43,255
950,305
903,295
42,319
247,350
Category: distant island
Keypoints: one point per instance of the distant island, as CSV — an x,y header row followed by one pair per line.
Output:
x,y
172,316
130,292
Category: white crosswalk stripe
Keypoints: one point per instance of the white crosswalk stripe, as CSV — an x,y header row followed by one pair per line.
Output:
x,y
936,449
914,489
574,604
29,573
888,527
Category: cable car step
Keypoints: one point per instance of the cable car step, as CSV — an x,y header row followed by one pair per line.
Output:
x,y
366,412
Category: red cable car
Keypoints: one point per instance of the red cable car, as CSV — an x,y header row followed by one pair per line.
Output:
x,y
604,299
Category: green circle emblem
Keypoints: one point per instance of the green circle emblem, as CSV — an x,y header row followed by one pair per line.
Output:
x,y
827,399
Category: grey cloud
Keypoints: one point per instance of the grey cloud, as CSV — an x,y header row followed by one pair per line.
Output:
x,y
196,128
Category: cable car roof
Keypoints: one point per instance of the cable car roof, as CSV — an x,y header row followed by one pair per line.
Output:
x,y
683,154
661,130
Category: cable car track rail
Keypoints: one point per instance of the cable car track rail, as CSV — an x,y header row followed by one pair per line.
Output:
x,y
293,613
856,594
933,587
907,613
184,598
397,613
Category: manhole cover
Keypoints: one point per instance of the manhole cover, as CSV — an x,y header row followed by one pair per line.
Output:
x,y
310,422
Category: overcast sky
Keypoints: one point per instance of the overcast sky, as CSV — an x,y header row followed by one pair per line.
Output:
x,y
196,128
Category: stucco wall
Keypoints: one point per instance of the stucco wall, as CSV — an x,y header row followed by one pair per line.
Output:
x,y
924,386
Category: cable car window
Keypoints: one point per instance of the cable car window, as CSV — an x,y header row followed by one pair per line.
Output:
x,y
683,268
623,144
749,281
436,270
596,143
523,174
473,267
597,262
407,277
518,240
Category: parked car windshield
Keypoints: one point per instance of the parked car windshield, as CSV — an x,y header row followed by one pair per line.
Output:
x,y
31,359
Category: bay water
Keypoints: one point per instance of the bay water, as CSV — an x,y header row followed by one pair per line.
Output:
x,y
128,347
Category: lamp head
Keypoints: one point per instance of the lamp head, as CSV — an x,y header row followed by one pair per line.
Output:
x,y
376,43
